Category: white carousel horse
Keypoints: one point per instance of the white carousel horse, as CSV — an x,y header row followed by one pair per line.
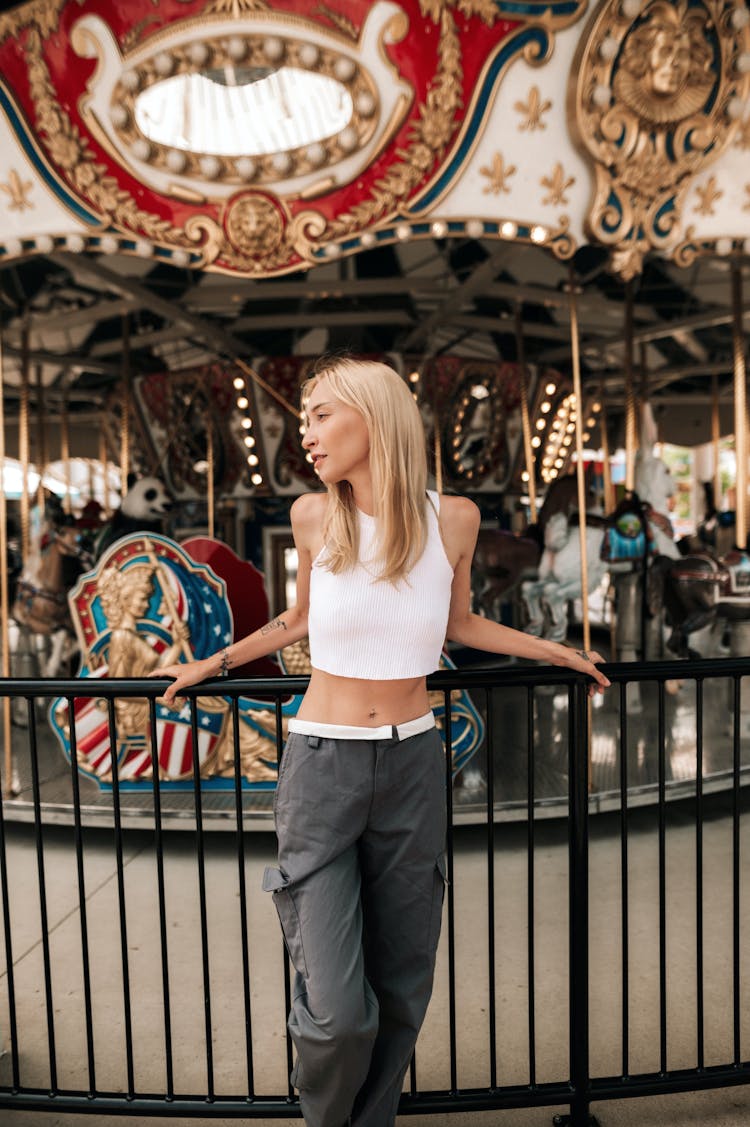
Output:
x,y
559,577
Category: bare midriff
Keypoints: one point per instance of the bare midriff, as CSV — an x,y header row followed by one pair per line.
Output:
x,y
364,704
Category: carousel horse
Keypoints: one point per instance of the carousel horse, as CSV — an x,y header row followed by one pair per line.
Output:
x,y
40,605
504,559
683,581
558,579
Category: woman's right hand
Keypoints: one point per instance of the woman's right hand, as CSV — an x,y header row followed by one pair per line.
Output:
x,y
185,674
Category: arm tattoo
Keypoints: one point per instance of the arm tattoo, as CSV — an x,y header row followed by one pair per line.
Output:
x,y
273,625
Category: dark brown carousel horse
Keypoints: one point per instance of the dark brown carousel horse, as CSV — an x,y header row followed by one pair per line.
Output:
x,y
503,559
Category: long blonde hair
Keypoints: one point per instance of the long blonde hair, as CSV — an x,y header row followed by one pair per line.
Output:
x,y
398,463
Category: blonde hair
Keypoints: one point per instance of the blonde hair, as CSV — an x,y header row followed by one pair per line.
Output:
x,y
398,463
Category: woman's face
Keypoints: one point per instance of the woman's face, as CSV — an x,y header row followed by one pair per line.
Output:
x,y
337,437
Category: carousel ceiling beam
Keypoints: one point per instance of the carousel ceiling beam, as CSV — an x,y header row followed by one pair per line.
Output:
x,y
504,323
476,283
259,323
42,322
222,342
206,297
672,329
65,361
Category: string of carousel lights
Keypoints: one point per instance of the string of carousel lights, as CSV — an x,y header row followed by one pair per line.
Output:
x,y
536,234
246,423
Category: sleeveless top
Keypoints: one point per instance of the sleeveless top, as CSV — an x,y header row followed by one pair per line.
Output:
x,y
381,631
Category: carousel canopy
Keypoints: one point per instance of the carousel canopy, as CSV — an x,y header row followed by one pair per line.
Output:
x,y
228,178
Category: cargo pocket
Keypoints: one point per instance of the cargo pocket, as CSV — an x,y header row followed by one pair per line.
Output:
x,y
283,897
440,880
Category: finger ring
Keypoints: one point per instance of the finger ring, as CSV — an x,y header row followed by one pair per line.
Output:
x,y
584,654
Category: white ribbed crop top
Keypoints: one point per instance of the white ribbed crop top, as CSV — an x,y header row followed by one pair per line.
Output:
x,y
381,631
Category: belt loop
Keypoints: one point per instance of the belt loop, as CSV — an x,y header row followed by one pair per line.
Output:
x,y
395,733
313,741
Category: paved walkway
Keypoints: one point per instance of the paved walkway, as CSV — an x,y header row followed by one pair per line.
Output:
x,y
726,1108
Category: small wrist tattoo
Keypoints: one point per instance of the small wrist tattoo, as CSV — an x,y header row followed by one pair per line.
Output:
x,y
584,654
274,624
224,668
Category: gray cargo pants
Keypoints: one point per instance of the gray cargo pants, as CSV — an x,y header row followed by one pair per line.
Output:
x,y
359,893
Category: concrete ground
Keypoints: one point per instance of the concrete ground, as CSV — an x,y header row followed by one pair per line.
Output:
x,y
723,1108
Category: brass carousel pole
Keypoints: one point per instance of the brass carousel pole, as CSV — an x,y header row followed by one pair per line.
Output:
x,y
65,451
103,465
630,425
525,421
23,441
740,408
4,609
580,468
41,422
581,483
125,408
210,475
609,495
715,438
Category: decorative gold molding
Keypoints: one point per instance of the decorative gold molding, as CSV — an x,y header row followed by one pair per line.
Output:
x,y
653,100
430,136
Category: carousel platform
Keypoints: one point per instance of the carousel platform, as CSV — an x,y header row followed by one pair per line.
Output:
x,y
517,786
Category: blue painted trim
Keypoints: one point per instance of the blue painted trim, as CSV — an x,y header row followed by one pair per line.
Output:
x,y
530,35
518,8
22,133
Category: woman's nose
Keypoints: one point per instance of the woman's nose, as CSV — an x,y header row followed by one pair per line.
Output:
x,y
308,439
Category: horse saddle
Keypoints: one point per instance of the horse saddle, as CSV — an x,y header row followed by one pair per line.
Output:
x,y
626,537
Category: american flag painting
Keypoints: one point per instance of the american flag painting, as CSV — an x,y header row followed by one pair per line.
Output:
x,y
126,627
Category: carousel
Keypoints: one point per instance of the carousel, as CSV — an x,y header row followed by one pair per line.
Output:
x,y
537,212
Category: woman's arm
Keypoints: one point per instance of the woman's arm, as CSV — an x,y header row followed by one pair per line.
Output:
x,y
459,521
288,627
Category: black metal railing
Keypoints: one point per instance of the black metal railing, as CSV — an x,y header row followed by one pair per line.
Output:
x,y
144,972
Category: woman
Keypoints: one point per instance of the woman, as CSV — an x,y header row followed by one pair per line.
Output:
x,y
384,576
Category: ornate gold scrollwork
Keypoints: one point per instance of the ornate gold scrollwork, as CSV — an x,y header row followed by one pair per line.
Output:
x,y
653,101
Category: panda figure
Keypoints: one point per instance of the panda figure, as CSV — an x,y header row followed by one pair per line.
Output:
x,y
143,509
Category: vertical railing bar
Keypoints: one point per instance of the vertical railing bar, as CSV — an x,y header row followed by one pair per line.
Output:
x,y
492,1000
33,750
161,892
287,1008
699,998
82,896
530,890
121,897
736,868
201,859
8,936
624,884
244,938
451,895
578,893
662,770
287,973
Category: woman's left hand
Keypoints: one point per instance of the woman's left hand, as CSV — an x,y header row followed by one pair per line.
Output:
x,y
586,662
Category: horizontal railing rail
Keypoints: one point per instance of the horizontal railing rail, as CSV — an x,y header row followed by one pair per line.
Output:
x,y
143,973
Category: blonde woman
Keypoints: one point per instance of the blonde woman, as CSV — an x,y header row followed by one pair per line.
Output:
x,y
384,570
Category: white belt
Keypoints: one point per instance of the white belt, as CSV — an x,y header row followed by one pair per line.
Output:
x,y
351,732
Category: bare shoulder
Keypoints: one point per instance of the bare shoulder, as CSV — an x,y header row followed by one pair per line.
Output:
x,y
307,515
309,509
458,515
459,525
